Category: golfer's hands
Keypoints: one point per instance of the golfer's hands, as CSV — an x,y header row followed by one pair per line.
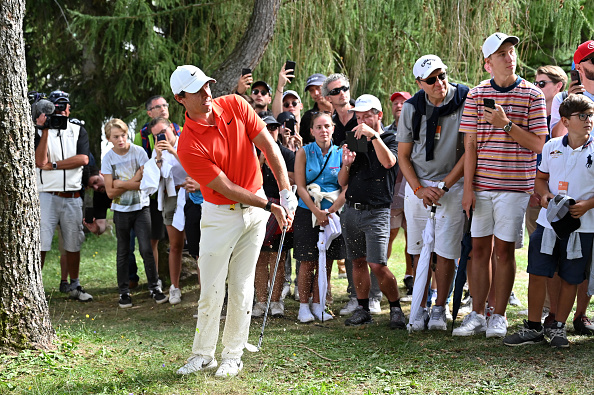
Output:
x,y
289,201
545,199
282,216
468,202
430,195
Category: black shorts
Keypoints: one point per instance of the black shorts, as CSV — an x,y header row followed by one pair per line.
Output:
x,y
306,239
157,227
193,214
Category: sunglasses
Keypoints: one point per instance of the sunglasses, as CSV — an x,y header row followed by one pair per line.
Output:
x,y
271,128
263,92
337,91
321,112
589,59
290,103
542,84
433,80
583,117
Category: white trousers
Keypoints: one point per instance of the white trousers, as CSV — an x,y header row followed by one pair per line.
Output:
x,y
230,244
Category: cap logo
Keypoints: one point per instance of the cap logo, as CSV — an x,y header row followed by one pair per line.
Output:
x,y
192,74
427,62
497,35
591,45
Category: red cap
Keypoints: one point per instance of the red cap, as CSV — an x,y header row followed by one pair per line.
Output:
x,y
584,49
404,95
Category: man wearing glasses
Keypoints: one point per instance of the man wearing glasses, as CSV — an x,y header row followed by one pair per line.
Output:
x,y
505,126
336,89
261,94
431,156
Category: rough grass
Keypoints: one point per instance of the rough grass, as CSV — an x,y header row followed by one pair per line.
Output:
x,y
102,349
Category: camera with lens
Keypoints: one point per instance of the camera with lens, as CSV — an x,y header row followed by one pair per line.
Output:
x,y
56,102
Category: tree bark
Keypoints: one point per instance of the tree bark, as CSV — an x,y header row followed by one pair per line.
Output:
x,y
249,50
24,316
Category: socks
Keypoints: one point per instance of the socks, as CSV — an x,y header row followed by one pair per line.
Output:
x,y
364,303
537,326
395,304
74,283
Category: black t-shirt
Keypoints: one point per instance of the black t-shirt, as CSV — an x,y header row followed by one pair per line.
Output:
x,y
270,185
101,202
305,125
369,181
340,130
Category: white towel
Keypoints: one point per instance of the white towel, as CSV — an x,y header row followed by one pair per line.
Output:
x,y
316,193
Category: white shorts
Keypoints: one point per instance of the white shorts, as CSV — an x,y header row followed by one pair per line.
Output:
x,y
449,222
500,214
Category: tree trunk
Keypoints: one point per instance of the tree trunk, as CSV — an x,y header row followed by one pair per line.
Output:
x,y
249,50
24,316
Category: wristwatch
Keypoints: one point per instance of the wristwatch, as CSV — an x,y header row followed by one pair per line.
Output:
x,y
268,206
54,166
442,185
373,138
508,127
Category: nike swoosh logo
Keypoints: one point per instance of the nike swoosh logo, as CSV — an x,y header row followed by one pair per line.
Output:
x,y
192,74
229,121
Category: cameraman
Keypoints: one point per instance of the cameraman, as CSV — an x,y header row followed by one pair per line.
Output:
x,y
60,155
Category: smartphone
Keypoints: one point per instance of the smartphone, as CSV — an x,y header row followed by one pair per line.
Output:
x,y
245,71
490,103
354,144
575,76
161,137
89,215
290,65
290,124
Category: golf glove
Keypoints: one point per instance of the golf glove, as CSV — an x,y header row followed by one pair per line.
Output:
x,y
288,200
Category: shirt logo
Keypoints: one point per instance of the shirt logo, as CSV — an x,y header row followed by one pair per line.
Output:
x,y
229,121
589,161
556,154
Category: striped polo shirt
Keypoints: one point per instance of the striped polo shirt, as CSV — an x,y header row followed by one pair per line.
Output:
x,y
502,163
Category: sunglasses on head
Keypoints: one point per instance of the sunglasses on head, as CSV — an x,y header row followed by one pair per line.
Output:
x,y
337,91
290,103
432,80
263,92
541,84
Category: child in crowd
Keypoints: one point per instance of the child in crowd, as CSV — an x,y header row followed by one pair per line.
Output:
x,y
566,170
122,171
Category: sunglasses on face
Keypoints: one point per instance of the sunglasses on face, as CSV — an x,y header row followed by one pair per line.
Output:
x,y
290,103
272,128
337,91
433,80
542,84
583,117
589,59
159,106
263,92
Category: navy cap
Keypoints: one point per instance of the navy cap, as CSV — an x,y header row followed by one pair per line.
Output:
x,y
314,80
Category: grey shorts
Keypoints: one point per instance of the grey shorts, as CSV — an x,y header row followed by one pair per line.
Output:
x,y
66,212
366,234
169,207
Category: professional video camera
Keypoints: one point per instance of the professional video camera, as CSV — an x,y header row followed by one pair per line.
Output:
x,y
57,102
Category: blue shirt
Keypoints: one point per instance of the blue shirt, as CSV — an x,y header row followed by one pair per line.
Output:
x,y
196,197
314,161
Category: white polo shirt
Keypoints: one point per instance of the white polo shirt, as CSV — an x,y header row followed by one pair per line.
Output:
x,y
576,167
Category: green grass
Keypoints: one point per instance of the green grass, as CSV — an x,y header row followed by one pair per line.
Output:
x,y
101,349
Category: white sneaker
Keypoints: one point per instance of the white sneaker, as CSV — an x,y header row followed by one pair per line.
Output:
x,y
305,314
286,290
374,306
174,295
296,293
258,310
196,363
319,313
350,307
79,293
497,326
277,309
437,321
419,323
448,313
472,324
230,367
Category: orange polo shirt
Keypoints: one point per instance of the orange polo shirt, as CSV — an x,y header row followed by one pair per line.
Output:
x,y
206,151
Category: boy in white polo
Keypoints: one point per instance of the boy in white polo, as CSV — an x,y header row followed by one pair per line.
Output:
x,y
505,126
566,169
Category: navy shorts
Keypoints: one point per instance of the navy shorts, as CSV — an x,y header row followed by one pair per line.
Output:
x,y
574,271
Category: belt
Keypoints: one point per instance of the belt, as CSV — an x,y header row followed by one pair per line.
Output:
x,y
361,206
234,206
67,194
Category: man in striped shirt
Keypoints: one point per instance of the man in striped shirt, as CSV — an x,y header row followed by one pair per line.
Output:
x,y
505,123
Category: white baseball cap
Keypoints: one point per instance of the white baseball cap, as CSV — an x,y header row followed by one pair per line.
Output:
x,y
495,40
366,103
188,78
426,65
292,93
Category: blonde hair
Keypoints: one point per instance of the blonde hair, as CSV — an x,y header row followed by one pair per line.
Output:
x,y
115,123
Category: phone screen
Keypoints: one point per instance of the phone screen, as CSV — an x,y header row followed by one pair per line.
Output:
x,y
161,137
290,65
290,124
575,76
489,103
89,215
245,71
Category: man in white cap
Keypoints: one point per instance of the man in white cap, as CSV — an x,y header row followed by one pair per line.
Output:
x,y
505,126
370,175
217,150
431,157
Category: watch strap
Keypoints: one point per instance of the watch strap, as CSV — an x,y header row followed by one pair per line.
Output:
x,y
268,206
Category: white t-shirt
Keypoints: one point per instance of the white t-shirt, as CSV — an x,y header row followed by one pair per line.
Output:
x,y
562,163
123,167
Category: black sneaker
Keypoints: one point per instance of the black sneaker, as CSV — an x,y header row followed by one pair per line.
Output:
x,y
408,283
64,287
559,335
360,317
125,301
583,326
525,336
397,320
159,296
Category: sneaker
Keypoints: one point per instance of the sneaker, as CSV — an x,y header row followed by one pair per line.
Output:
x,y
583,326
258,310
374,306
397,320
125,301
80,294
196,363
342,276
448,313
349,307
64,287
513,301
319,313
360,317
419,322
230,367
472,324
466,305
286,290
277,309
489,311
305,314
497,326
525,336
159,296
437,320
408,283
559,335
296,294
174,295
